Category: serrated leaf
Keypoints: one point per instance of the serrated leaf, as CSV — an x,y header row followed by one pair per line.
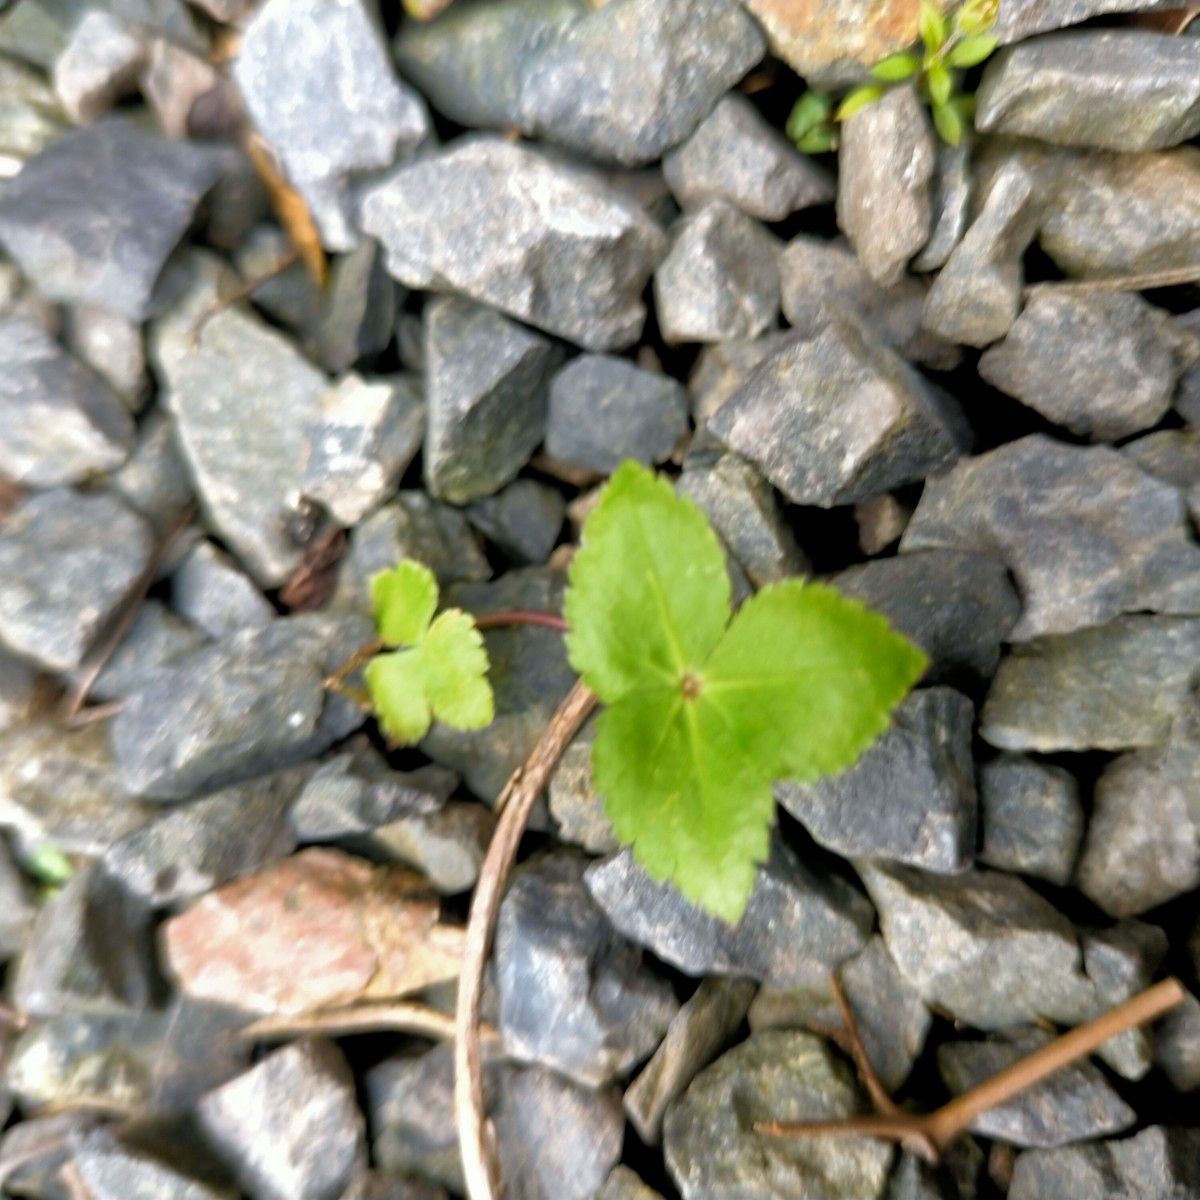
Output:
x,y
818,141
810,111
396,683
896,67
859,99
948,121
940,83
404,600
932,26
971,51
456,666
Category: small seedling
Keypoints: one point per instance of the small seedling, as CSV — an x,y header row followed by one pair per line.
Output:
x,y
48,866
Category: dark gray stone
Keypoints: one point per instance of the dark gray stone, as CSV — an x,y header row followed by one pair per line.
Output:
x,y
714,1152
154,479
17,909
447,847
736,156
885,172
1172,455
358,315
19,688
1102,364
98,65
1085,533
319,86
1032,818
623,1184
719,278
956,605
289,296
574,995
92,219
209,591
1075,1104
512,227
255,703
523,519
952,188
157,638
1117,687
1143,840
67,563
1021,19
574,803
720,370
604,410
486,380
1177,1049
112,1169
1115,89
289,1126
794,918
983,946
58,422
634,78
832,417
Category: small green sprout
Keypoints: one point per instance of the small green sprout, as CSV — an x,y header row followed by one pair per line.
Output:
x,y
49,866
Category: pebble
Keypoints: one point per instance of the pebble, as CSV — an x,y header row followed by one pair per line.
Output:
x,y
486,381
153,479
175,83
721,369
795,917
33,119
623,1184
358,313
99,64
1086,534
886,163
603,410
1115,89
953,185
1177,1051
318,85
719,278
1172,455
112,346
113,1169
447,847
518,229
575,805
208,590
523,520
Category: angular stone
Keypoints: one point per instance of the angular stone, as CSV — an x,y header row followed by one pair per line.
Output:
x,y
721,369
512,227
176,82
1032,818
112,1169
952,188
1143,839
523,519
1086,535
1117,687
19,691
832,417
575,805
154,479
359,311
736,156
1104,364
98,65
794,917
157,638
67,563
714,1152
362,440
289,296
719,278
634,78
214,595
1172,455
92,219
885,172
58,422
30,117
319,87
1177,1051
956,605
486,380
289,1126
1021,19
983,946
911,796
603,410
376,1186
447,847
252,704
1115,89
112,346
623,1184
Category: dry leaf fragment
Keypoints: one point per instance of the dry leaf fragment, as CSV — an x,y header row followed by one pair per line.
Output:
x,y
290,208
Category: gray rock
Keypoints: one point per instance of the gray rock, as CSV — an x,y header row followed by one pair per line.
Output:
x,y
486,380
698,1031
34,1150
208,590
157,638
885,171
952,188
154,479
1020,19
1075,1104
112,1169
67,561
447,847
1117,687
19,691
734,155
721,369
287,294
1172,455
1143,840
1126,89
1177,1050
31,117
1159,1163
983,946
112,346
92,219
289,1126
911,796
956,605
574,803
362,440
375,1186
714,1152
1187,395
523,519
1032,818
816,273
623,1184
1086,534
177,82
604,410
794,918
574,995
628,82
253,704
719,279
98,65
1102,364
319,87
359,310
16,906
832,417
517,229
58,422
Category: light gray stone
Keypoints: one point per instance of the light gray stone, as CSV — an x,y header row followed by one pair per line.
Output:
x,y
30,116
623,1184
208,590
574,803
112,346
111,1169
154,479
98,65
523,519
1172,455
157,638
1020,19
721,369
447,846
952,188
1177,1050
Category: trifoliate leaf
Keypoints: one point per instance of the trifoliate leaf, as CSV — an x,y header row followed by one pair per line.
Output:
x,y
971,51
859,99
940,83
896,67
706,709
809,112
404,600
397,686
456,666
947,120
932,26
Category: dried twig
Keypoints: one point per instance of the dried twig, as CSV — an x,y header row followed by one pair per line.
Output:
x,y
520,616
884,1104
1173,277
480,1169
291,209
398,1017
309,585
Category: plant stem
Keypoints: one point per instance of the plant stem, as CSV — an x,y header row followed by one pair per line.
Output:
x,y
398,1017
480,1167
520,616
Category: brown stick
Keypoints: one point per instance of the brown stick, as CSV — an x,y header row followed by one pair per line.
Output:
x,y
520,616
399,1017
480,1169
1173,277
884,1105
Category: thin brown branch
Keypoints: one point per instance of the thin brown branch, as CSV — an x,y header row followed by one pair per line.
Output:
x,y
337,681
291,209
884,1105
1174,277
480,1169
520,616
398,1017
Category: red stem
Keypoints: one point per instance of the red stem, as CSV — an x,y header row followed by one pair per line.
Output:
x,y
520,616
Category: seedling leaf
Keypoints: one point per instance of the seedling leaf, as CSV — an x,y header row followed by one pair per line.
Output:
x,y
808,113
948,121
404,599
932,26
818,141
896,67
859,99
940,83
971,51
